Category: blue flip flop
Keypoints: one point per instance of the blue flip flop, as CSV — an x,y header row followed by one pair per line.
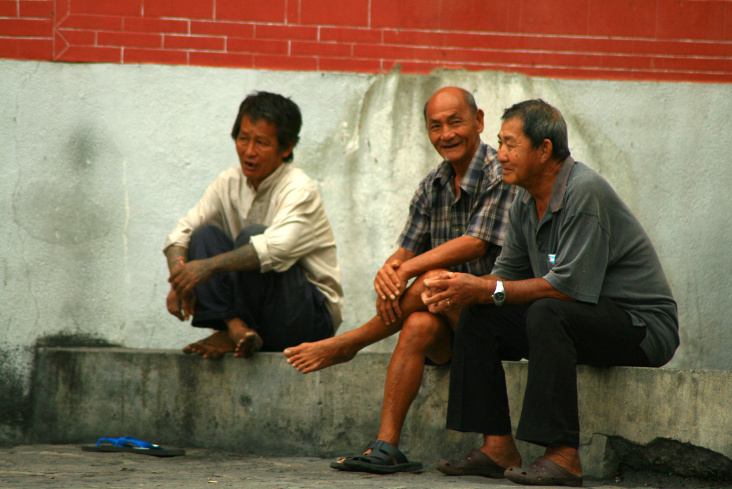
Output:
x,y
127,444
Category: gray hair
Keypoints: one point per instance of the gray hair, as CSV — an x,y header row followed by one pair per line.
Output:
x,y
541,121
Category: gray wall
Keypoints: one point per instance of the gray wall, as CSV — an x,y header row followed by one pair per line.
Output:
x,y
99,161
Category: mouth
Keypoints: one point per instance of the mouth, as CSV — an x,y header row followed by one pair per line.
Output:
x,y
248,166
449,147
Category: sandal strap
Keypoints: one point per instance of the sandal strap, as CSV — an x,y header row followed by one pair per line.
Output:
x,y
126,441
382,453
390,451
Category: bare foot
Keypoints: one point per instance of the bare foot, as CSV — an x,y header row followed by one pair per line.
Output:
x,y
248,345
309,357
215,346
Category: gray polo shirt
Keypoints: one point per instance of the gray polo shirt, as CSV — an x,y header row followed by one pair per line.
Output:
x,y
589,245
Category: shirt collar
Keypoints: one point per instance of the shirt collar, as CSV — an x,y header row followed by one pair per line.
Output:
x,y
446,173
271,179
556,199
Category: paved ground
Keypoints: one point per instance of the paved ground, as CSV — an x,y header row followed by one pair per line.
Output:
x,y
67,467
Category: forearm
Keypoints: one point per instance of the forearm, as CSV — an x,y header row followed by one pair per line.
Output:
x,y
175,254
455,252
520,291
241,259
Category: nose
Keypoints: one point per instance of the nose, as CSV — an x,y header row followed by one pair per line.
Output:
x,y
502,153
249,149
447,133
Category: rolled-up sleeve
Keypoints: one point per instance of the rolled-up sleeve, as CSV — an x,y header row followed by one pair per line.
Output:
x,y
207,211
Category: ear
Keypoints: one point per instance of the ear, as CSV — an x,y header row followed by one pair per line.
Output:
x,y
479,120
545,150
288,151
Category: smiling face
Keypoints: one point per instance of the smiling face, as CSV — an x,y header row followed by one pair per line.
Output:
x,y
259,153
453,128
521,163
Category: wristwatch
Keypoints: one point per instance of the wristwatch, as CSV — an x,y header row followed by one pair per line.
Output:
x,y
499,296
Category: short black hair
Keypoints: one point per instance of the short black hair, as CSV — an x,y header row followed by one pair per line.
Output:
x,y
469,99
541,121
277,110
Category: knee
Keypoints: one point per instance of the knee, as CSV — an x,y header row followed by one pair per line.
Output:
x,y
544,320
418,287
420,329
246,233
205,234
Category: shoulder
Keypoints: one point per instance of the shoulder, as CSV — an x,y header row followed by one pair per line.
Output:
x,y
427,185
233,173
230,178
294,180
588,190
492,168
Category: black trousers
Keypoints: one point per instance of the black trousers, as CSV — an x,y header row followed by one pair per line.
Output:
x,y
555,336
285,309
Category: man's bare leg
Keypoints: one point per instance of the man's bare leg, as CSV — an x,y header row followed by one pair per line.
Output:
x,y
423,334
247,342
309,357
214,346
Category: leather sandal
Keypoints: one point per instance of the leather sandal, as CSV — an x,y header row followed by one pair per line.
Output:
x,y
383,459
475,463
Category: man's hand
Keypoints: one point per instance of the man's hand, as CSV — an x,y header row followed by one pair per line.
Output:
x,y
389,286
450,289
387,282
184,278
182,308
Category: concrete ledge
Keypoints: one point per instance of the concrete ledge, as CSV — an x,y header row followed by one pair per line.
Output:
x,y
264,406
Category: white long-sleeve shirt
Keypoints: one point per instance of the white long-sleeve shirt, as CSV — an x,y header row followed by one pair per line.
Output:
x,y
298,230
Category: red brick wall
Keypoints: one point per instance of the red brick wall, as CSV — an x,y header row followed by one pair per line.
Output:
x,y
661,40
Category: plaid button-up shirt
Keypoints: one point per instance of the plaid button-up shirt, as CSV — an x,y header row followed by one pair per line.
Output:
x,y
437,215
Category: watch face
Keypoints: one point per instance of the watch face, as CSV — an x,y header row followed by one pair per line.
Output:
x,y
499,297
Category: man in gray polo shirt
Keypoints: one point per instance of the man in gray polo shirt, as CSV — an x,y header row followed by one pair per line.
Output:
x,y
577,282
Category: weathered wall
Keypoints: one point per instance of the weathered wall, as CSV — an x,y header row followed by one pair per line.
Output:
x,y
98,162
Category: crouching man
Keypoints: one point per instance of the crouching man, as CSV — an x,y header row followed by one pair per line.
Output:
x,y
255,260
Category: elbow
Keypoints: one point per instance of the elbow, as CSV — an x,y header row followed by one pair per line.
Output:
x,y
481,247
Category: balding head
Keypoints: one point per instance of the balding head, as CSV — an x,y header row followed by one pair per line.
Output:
x,y
456,91
454,124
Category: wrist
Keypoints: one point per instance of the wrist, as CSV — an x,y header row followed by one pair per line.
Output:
x,y
499,294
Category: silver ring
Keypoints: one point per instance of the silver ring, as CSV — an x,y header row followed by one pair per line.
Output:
x,y
448,302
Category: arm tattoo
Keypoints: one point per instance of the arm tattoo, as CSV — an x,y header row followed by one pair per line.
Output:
x,y
240,259
175,254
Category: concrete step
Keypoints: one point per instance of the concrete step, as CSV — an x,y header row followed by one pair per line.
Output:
x,y
675,420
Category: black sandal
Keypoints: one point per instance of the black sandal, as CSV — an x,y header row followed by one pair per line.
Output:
x,y
383,459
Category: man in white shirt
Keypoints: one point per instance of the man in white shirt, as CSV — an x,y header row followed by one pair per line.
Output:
x,y
255,259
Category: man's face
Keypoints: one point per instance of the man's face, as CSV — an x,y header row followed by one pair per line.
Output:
x,y
521,163
259,153
452,127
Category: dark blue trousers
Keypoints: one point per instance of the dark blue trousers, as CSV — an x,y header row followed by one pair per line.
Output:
x,y
554,335
284,308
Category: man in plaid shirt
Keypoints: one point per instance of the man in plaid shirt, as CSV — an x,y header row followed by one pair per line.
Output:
x,y
457,219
